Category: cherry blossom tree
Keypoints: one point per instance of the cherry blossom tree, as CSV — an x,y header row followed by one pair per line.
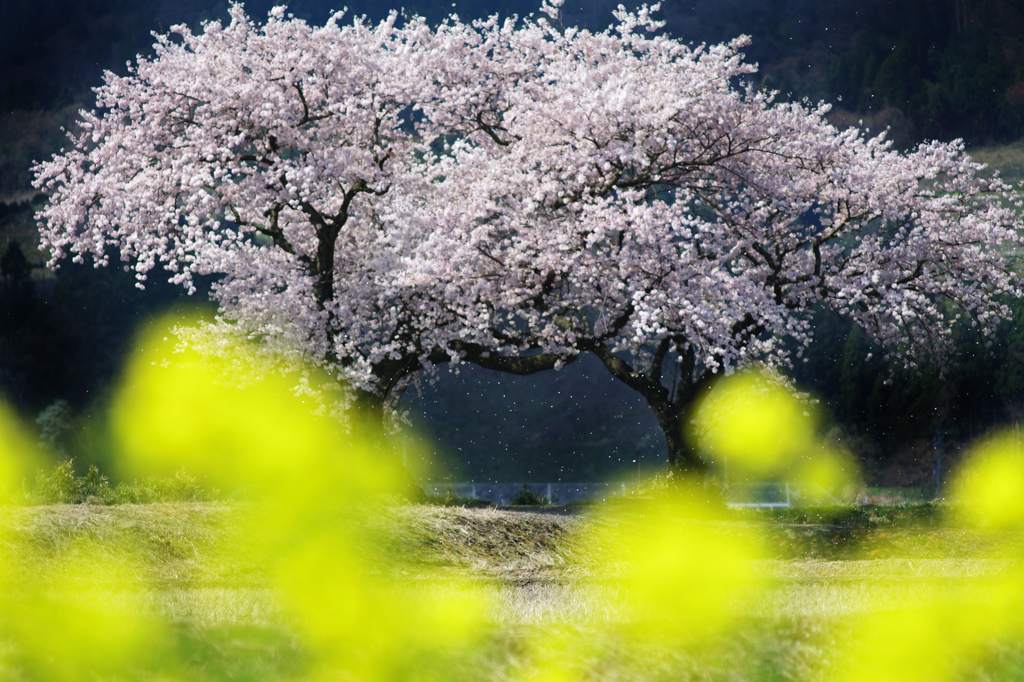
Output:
x,y
381,199
632,202
292,161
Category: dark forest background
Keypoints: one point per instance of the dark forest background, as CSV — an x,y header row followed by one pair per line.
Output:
x,y
920,68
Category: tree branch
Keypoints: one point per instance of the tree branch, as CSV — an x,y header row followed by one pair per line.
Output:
x,y
523,365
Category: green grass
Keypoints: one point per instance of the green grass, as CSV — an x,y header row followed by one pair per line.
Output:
x,y
209,581
1007,159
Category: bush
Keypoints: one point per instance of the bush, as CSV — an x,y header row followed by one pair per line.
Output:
x,y
181,487
56,487
527,497
62,486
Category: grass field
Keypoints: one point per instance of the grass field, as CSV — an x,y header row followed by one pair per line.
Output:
x,y
553,607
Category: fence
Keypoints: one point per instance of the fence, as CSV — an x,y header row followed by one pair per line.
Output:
x,y
553,493
776,494
739,494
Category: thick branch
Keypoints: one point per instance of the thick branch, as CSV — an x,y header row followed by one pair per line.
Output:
x,y
522,365
624,372
274,230
659,359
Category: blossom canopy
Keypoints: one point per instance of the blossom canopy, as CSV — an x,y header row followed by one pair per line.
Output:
x,y
378,199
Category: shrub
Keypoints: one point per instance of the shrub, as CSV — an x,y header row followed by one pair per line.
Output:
x,y
59,486
181,487
62,486
527,497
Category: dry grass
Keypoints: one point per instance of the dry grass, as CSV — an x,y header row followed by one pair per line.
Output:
x,y
202,567
532,570
504,544
171,543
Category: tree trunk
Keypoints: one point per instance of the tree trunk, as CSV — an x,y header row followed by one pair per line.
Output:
x,y
672,408
682,457
368,407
